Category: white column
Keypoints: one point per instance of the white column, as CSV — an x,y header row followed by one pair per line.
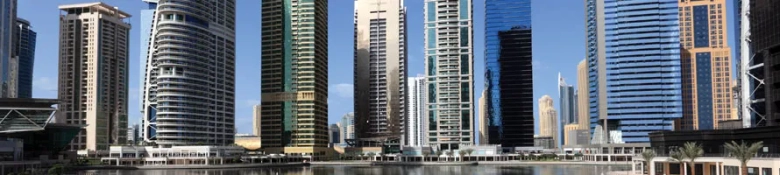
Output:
x,y
717,168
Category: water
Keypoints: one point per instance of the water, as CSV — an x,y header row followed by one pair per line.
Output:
x,y
385,170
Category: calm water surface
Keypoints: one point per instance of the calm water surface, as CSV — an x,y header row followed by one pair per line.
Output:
x,y
386,170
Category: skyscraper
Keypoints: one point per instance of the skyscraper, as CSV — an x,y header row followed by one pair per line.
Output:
x,y
347,129
190,74
567,107
256,122
509,73
583,119
449,67
548,119
295,76
380,69
706,64
93,67
415,125
633,53
148,117
766,45
483,121
24,56
7,27
333,134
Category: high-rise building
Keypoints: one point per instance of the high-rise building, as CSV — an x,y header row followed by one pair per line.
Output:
x,y
24,58
747,70
93,68
333,134
380,69
7,27
256,122
190,74
548,119
449,67
483,121
633,53
132,134
706,64
765,43
148,120
295,76
583,119
508,73
347,129
567,107
415,125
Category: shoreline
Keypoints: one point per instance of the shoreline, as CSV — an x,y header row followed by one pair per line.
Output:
x,y
157,167
336,163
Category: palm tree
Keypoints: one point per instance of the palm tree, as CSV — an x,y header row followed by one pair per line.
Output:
x,y
381,156
691,151
469,151
449,154
438,155
425,155
743,152
371,155
676,156
648,155
461,153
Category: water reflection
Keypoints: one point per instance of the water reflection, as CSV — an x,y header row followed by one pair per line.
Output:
x,y
385,170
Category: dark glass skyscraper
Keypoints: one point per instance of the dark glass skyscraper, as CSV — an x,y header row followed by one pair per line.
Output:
x,y
24,51
765,44
509,76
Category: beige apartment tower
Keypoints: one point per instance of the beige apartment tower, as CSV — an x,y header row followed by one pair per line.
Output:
x,y
294,77
380,70
256,113
548,119
582,96
93,73
706,64
483,113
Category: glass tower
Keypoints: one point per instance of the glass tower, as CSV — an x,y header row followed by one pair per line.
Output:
x,y
633,52
449,49
7,20
24,53
294,76
508,72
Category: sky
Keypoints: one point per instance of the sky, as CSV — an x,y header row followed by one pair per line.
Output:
x,y
558,46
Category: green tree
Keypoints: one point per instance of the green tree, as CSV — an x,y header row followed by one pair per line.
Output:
x,y
449,154
371,155
57,169
648,155
438,155
676,156
462,153
692,151
469,151
743,152
425,155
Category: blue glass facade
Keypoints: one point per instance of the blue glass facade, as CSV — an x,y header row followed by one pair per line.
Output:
x,y
642,67
704,90
701,33
24,50
7,20
508,72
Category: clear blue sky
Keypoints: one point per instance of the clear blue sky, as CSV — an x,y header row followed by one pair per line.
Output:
x,y
558,46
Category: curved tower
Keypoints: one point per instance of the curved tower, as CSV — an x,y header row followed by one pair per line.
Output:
x,y
190,73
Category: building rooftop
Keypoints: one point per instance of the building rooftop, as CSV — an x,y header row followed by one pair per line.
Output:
x,y
100,6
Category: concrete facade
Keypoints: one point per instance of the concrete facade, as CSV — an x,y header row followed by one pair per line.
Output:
x,y
483,119
449,67
416,127
256,122
706,64
380,69
93,73
582,96
548,120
